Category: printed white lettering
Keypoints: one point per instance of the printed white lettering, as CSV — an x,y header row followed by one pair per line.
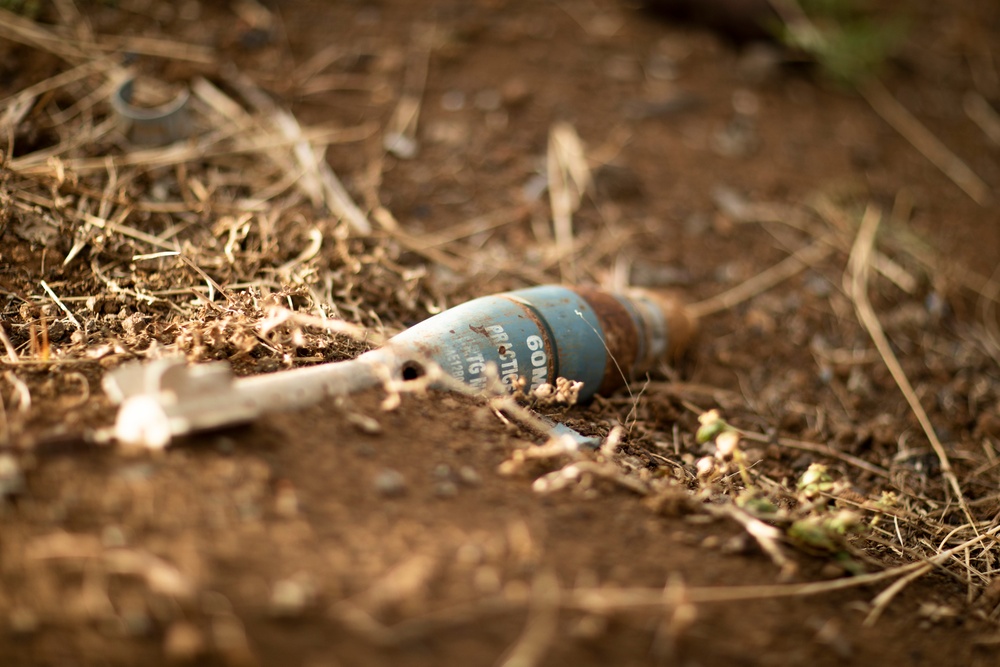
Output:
x,y
539,376
453,363
497,334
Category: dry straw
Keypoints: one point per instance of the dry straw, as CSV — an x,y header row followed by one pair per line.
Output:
x,y
240,242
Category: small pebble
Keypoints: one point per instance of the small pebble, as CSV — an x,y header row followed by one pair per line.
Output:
x,y
390,483
831,571
737,139
364,423
138,472
189,11
469,554
159,191
113,537
286,500
649,274
661,67
11,477
400,145
488,100
183,642
818,285
255,39
225,445
453,100
136,623
249,510
487,580
515,92
230,639
290,598
697,224
23,621
589,627
468,476
622,68
737,544
617,183
759,62
936,305
446,489
535,187
859,383
745,102
214,603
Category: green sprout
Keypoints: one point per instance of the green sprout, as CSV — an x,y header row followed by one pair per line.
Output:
x,y
814,481
712,425
756,503
27,8
849,46
727,444
828,533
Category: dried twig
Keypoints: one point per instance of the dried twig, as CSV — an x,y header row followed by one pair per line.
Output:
x,y
569,178
7,345
767,536
985,116
541,626
358,620
823,450
605,600
279,316
856,285
400,136
932,148
62,306
891,111
783,270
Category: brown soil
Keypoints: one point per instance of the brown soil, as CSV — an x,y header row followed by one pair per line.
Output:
x,y
349,534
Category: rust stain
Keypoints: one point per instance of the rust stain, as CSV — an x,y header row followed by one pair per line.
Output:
x,y
682,327
620,336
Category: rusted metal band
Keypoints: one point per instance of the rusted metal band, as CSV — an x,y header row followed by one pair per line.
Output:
x,y
679,327
622,342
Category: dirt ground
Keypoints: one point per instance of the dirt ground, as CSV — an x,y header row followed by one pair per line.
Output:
x,y
354,534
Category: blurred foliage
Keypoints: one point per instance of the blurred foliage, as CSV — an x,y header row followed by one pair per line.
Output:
x,y
850,44
27,8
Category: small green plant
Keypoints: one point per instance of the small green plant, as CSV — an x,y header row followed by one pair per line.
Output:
x,y
711,425
27,8
814,482
808,517
848,45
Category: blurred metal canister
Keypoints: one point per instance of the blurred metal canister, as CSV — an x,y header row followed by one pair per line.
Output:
x,y
541,333
530,336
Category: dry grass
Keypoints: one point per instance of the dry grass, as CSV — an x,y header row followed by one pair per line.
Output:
x,y
192,246
240,243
